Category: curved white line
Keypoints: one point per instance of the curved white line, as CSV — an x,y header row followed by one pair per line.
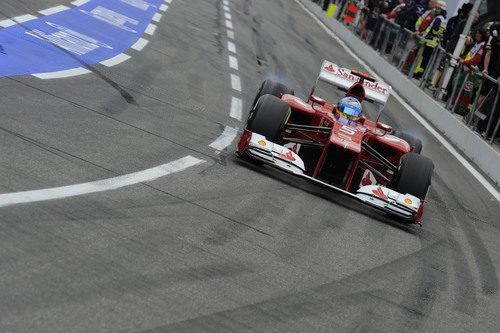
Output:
x,y
8,199
61,74
150,29
140,44
53,10
225,139
115,60
79,2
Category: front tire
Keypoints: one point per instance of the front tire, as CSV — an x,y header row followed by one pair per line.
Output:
x,y
269,87
269,117
412,141
414,175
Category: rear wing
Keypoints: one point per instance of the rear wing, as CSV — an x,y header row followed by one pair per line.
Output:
x,y
375,91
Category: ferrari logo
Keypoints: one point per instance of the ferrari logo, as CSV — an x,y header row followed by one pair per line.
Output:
x,y
379,193
287,156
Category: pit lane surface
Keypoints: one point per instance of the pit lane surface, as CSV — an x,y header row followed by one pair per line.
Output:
x,y
221,246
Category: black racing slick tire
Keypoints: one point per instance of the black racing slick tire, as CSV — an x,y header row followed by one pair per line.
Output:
x,y
274,88
413,175
412,141
269,117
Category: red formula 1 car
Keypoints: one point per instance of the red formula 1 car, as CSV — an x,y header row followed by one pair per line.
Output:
x,y
352,155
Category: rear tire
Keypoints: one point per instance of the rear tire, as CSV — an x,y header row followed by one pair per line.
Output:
x,y
274,88
412,141
414,175
269,117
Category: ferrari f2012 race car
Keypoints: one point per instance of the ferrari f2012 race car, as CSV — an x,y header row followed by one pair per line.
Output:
x,y
336,146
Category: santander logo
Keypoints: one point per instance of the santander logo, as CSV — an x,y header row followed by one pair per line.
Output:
x,y
346,74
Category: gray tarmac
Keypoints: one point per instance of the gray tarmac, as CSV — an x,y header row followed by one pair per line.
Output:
x,y
223,246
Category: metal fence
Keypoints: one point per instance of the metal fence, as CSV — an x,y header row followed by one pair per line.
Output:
x,y
405,51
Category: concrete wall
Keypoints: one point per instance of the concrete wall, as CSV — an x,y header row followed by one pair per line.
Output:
x,y
472,146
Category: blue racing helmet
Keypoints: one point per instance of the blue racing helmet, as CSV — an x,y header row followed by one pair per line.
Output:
x,y
349,108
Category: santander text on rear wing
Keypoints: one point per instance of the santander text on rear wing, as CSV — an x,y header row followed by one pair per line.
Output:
x,y
343,78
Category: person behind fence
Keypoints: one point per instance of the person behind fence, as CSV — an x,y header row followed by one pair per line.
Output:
x,y
423,22
431,35
491,68
409,14
383,7
471,59
456,26
395,11
489,60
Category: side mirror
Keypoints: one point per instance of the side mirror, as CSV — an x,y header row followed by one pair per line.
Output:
x,y
384,127
316,99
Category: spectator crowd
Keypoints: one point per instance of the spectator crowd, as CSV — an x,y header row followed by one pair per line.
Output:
x,y
431,27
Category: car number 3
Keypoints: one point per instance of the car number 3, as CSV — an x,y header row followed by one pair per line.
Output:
x,y
347,130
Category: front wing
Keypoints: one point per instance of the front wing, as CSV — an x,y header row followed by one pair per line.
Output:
x,y
404,206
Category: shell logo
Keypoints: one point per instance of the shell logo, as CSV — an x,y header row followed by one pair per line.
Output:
x,y
408,201
262,143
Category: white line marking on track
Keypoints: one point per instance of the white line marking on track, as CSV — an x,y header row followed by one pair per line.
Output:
x,y
231,47
225,139
225,2
140,44
79,2
163,8
115,60
412,111
24,18
233,62
150,29
236,107
229,24
157,17
230,34
53,10
227,16
114,183
226,8
235,82
62,74
7,23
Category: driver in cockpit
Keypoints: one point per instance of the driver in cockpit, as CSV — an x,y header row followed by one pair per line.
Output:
x,y
348,111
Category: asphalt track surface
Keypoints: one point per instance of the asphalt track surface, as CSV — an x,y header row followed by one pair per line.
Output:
x,y
221,246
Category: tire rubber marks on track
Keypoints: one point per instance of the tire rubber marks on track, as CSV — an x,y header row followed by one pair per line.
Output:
x,y
114,183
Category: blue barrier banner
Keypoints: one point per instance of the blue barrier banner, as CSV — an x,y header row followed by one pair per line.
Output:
x,y
80,36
